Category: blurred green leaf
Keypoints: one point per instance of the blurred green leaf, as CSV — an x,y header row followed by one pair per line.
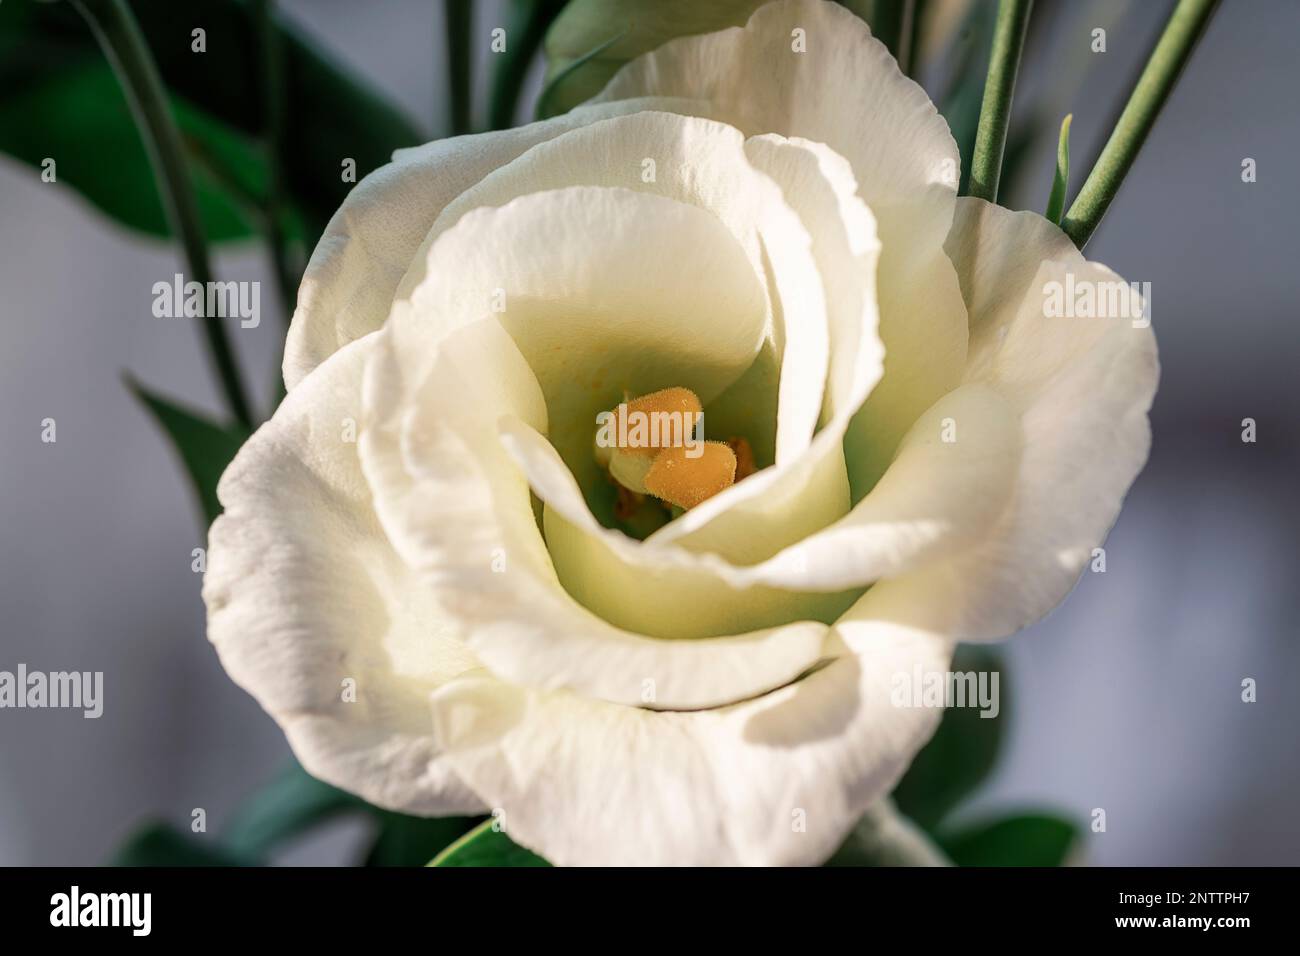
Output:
x,y
293,802
960,754
605,34
412,841
1029,840
80,119
59,99
552,95
160,844
484,846
205,447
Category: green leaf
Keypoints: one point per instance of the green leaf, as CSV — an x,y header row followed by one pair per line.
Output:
x,y
59,99
205,447
484,846
330,114
81,121
1056,202
591,40
960,755
1028,840
292,803
410,841
161,844
552,102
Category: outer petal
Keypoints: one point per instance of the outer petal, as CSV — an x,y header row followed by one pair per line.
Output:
x,y
304,592
777,780
1082,388
902,154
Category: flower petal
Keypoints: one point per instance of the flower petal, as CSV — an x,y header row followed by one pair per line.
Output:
x,y
938,496
369,243
703,164
774,781
608,292
1081,387
457,508
666,592
756,518
902,154
304,593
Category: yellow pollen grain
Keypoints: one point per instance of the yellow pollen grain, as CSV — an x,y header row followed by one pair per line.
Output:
x,y
668,401
685,481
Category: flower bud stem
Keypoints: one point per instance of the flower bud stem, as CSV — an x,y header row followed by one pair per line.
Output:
x,y
999,87
1167,60
118,34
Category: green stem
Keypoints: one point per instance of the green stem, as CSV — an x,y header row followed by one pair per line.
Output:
x,y
119,35
526,36
271,69
458,20
1171,53
999,87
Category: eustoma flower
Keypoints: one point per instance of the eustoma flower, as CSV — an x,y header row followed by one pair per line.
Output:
x,y
463,609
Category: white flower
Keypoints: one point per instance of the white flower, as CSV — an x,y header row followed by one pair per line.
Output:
x,y
443,615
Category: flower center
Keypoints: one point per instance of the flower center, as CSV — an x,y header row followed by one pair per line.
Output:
x,y
654,446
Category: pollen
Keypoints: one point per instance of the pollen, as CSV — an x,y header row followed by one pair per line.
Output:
x,y
662,419
685,481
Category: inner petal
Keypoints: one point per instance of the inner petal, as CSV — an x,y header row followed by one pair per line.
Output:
x,y
607,292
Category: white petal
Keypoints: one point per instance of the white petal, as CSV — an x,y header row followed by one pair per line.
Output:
x,y
370,242
936,497
658,589
845,91
304,593
670,593
785,528
758,517
704,164
1081,387
458,510
608,292
776,780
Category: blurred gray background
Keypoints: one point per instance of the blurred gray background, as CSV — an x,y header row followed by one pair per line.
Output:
x,y
1126,698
